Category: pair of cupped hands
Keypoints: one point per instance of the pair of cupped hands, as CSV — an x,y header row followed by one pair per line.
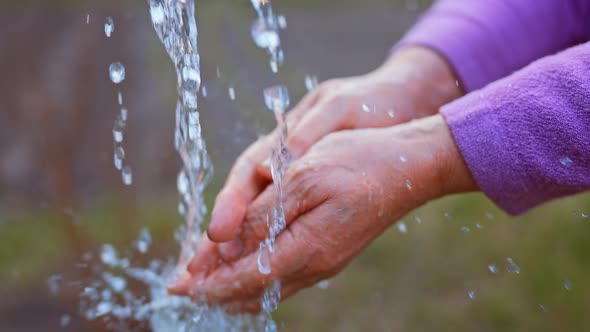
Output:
x,y
354,171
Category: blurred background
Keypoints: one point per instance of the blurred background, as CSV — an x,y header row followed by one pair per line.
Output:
x,y
442,268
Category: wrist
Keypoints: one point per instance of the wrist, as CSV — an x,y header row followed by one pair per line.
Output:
x,y
427,78
441,169
453,174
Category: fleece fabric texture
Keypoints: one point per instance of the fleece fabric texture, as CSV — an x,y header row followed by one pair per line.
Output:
x,y
525,137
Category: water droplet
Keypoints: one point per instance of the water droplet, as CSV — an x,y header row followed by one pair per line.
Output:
x,y
270,326
465,230
490,216
65,320
366,108
117,72
118,129
144,241
408,184
127,175
204,91
218,72
456,83
87,18
232,93
311,82
272,297
53,283
276,98
567,284
108,255
403,159
391,114
265,35
471,295
181,209
493,268
120,98
324,284
478,226
109,27
585,216
418,220
182,183
264,259
543,308
117,284
401,227
566,161
118,157
282,21
103,308
511,266
124,114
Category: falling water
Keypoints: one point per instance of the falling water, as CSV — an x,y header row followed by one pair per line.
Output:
x,y
265,34
175,25
110,298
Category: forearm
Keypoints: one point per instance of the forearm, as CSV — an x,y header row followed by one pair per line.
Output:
x,y
488,39
526,138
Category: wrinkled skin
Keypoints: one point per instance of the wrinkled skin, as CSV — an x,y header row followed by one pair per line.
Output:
x,y
340,196
343,187
413,83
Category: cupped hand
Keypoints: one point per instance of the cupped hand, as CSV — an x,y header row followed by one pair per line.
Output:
x,y
413,83
340,196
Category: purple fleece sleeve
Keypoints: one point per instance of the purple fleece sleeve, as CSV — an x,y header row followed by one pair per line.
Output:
x,y
485,40
526,138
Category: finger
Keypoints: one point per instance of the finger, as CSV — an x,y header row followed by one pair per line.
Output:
x,y
293,118
206,259
317,123
241,187
243,279
253,305
290,286
245,181
300,196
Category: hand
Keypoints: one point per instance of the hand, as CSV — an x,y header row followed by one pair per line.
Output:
x,y
340,196
413,83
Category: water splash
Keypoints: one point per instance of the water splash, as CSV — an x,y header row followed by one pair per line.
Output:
x,y
277,100
109,27
493,268
127,175
111,297
265,32
117,72
511,266
311,82
401,227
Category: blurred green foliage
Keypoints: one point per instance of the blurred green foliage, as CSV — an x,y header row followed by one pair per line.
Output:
x,y
417,281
